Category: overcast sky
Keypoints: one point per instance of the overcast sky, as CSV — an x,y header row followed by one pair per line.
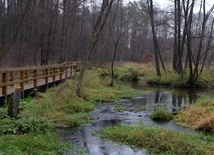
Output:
x,y
165,3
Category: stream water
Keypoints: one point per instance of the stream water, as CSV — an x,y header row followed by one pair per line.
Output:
x,y
136,110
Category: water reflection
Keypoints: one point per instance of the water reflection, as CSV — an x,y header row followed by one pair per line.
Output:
x,y
174,99
104,115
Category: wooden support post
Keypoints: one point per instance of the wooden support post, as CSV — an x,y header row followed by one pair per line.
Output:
x,y
26,75
46,78
35,74
12,77
75,68
54,76
71,70
78,66
22,84
4,88
66,72
60,75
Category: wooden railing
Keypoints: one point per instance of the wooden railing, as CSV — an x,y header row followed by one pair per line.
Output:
x,y
33,77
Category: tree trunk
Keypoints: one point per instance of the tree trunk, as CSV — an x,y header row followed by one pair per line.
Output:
x,y
156,47
106,6
13,108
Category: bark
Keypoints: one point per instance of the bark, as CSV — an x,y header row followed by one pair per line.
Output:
x,y
155,43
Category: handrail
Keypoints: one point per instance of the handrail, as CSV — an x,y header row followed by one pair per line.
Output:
x,y
36,75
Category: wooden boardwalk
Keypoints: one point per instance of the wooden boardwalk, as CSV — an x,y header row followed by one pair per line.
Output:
x,y
34,77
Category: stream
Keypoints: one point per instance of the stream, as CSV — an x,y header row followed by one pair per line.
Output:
x,y
136,110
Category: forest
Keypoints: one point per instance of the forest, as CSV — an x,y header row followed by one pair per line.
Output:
x,y
38,32
122,71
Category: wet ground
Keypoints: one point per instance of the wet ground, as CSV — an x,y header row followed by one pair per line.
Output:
x,y
136,110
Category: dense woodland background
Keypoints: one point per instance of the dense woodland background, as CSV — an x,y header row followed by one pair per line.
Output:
x,y
38,32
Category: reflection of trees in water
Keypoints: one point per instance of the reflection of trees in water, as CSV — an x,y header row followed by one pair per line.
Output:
x,y
157,95
192,96
180,97
175,98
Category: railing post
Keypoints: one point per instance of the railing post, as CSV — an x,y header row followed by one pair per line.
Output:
x,y
22,84
11,77
75,68
46,77
71,69
54,75
60,75
35,74
4,88
26,75
66,72
78,66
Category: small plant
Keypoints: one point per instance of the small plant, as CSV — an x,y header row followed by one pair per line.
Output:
x,y
161,115
120,108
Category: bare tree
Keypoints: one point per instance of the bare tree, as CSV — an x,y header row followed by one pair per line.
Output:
x,y
101,20
7,47
155,42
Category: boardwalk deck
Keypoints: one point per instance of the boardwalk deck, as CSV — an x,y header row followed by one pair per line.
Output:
x,y
34,77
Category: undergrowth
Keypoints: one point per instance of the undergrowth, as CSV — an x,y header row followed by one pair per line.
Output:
x,y
160,141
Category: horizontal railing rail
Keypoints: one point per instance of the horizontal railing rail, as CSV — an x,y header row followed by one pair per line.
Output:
x,y
33,77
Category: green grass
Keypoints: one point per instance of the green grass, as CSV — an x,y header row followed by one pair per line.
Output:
x,y
160,141
128,71
35,144
173,79
120,108
161,115
33,131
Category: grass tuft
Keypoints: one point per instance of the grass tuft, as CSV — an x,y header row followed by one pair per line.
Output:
x,y
159,140
161,115
199,116
120,108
